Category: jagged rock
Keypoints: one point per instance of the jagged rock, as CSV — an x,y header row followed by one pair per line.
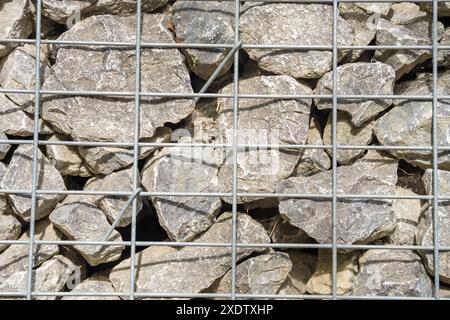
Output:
x,y
284,232
293,24
205,22
405,12
313,160
179,169
62,10
262,274
190,269
347,134
374,7
105,160
66,159
10,229
409,123
88,69
4,147
443,8
18,73
358,78
303,265
358,221
15,23
51,276
407,212
424,236
263,121
4,206
83,221
18,177
444,55
94,284
321,282
121,7
391,273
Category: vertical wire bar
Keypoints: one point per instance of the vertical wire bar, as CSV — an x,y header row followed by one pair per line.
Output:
x,y
435,155
137,113
334,151
37,75
237,4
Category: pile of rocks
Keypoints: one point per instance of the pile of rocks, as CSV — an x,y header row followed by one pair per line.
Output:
x,y
262,218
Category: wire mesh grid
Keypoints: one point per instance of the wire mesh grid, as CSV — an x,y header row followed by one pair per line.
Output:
x,y
136,144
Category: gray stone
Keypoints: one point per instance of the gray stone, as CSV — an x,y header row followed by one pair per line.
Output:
x,y
358,78
15,23
184,169
263,274
4,147
4,206
358,221
347,134
64,11
303,265
293,24
410,122
321,281
284,232
374,7
443,8
263,121
66,159
405,12
190,269
424,236
444,55
124,7
83,221
205,22
89,69
10,229
18,177
392,273
95,284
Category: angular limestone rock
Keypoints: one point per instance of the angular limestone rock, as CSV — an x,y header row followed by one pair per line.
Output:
x,y
65,11
444,55
358,78
303,265
89,69
263,121
409,123
4,206
18,177
284,232
94,284
205,22
124,7
10,229
83,221
190,269
358,221
293,24
405,12
392,273
4,147
347,134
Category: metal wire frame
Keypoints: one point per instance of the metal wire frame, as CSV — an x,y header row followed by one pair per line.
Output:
x,y
235,95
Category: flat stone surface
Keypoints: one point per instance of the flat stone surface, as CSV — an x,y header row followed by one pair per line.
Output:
x,y
409,122
347,134
263,121
124,7
83,221
62,10
360,78
303,265
18,177
358,221
190,269
113,70
94,284
4,148
10,229
293,24
205,22
405,12
392,273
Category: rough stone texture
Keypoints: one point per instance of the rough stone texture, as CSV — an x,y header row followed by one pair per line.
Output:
x,y
179,169
262,274
10,229
15,23
87,69
51,276
313,160
407,212
284,232
321,282
409,123
376,7
95,284
18,73
405,12
4,206
444,55
293,24
358,221
205,22
358,78
347,134
264,121
190,269
61,10
18,177
424,236
83,221
303,265
120,7
392,273
66,159
4,148
443,8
